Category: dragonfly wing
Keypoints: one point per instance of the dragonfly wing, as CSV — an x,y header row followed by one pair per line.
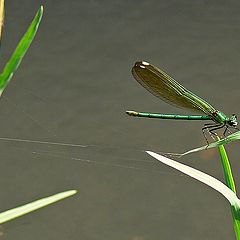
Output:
x,y
169,90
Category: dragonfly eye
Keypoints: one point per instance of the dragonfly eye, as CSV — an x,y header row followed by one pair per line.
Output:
x,y
233,120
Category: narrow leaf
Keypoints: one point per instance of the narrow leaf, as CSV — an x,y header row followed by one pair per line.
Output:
x,y
20,51
226,168
233,137
30,207
230,183
202,177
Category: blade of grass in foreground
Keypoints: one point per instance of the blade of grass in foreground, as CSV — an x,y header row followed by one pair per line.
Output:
x,y
20,51
211,182
226,168
30,207
202,177
230,183
233,137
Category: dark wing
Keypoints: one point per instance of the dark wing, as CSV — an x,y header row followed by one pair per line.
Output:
x,y
169,90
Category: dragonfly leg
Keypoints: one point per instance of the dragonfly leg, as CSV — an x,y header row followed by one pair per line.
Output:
x,y
208,126
211,127
216,127
229,131
234,128
204,134
226,129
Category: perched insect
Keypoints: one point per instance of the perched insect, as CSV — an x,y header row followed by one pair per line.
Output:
x,y
169,90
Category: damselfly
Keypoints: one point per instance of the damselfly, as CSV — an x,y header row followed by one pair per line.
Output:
x,y
169,90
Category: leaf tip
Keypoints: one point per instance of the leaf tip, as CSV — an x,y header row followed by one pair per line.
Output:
x,y
71,192
40,12
150,153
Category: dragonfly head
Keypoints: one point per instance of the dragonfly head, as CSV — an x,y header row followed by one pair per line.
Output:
x,y
233,120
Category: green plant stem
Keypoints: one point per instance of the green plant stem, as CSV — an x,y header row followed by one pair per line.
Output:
x,y
230,183
236,223
226,168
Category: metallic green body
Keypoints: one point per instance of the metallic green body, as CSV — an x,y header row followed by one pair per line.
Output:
x,y
169,90
168,116
220,117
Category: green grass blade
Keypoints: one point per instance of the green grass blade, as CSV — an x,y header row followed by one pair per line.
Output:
x,y
30,207
211,182
230,183
202,177
20,51
227,168
233,137
236,223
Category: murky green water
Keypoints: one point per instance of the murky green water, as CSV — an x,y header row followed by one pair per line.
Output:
x,y
74,86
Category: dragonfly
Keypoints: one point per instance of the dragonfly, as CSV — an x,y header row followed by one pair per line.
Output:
x,y
160,84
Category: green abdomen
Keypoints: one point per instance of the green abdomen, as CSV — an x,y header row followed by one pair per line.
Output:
x,y
169,116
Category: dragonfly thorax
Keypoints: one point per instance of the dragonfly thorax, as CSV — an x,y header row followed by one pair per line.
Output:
x,y
221,118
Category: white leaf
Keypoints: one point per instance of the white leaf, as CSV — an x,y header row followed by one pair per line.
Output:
x,y
202,177
19,211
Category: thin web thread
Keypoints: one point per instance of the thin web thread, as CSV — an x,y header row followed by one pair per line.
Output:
x,y
66,156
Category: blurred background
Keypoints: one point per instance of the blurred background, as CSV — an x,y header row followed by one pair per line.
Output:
x,y
74,86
